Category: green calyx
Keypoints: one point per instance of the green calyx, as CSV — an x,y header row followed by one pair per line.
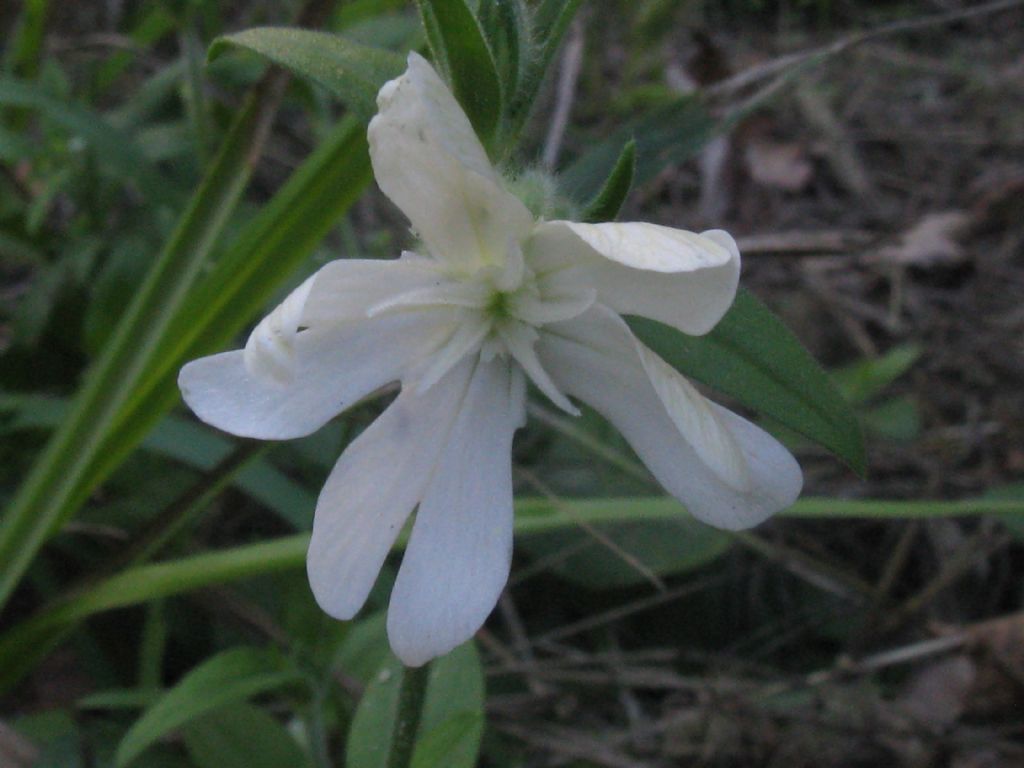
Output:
x,y
538,190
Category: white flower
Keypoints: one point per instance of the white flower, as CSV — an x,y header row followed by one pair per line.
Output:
x,y
496,298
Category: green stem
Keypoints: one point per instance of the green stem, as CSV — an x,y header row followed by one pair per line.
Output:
x,y
318,729
411,695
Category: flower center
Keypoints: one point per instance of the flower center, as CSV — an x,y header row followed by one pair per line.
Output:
x,y
495,312
499,305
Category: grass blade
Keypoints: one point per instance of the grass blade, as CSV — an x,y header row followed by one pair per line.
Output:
x,y
55,484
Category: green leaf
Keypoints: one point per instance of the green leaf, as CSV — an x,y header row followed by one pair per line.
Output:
x,y
142,584
896,419
188,442
230,676
751,356
133,383
607,202
24,45
238,286
459,734
550,21
451,724
461,51
667,135
56,734
866,379
242,736
119,698
505,24
351,71
534,517
62,476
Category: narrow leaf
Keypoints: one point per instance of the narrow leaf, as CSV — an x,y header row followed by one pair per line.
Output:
x,y
459,44
48,495
242,281
459,734
666,135
452,719
868,378
242,736
505,25
60,479
634,551
550,21
351,71
230,676
109,418
751,356
607,202
187,442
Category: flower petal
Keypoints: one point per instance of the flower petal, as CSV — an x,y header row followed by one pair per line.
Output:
x,y
458,558
374,486
680,278
348,289
428,160
331,368
728,472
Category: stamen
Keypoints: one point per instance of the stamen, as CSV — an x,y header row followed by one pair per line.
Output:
x,y
519,340
467,336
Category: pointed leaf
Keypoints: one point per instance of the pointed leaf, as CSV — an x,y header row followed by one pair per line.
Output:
x,y
230,676
351,71
664,136
452,719
641,548
461,51
550,21
61,477
607,202
506,26
242,736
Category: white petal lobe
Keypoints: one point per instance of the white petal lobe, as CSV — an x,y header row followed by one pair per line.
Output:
x,y
373,488
458,557
728,472
331,368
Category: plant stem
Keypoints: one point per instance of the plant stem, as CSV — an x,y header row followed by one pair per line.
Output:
x,y
411,695
318,730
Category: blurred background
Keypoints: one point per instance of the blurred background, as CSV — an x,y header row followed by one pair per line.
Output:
x,y
869,158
